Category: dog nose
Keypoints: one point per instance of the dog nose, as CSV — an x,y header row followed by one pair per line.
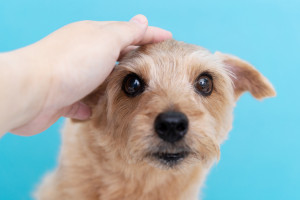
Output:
x,y
171,126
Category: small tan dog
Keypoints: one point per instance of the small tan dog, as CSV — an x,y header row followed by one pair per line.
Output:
x,y
157,125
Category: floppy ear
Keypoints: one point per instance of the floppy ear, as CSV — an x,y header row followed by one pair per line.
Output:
x,y
92,99
247,78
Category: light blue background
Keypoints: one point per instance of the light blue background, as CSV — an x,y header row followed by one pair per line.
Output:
x,y
261,159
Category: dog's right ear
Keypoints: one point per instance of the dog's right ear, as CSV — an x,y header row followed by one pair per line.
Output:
x,y
247,78
92,99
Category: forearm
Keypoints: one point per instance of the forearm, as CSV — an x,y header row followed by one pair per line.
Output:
x,y
22,88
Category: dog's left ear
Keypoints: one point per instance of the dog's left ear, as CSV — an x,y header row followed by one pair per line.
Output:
x,y
247,78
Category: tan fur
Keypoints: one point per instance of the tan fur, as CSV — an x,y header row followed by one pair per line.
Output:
x,y
105,158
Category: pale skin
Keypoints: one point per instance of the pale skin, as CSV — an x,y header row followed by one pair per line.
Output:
x,y
46,80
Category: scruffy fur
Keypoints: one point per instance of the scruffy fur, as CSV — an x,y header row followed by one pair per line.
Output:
x,y
107,156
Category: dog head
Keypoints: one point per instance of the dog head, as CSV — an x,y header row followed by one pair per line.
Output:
x,y
170,104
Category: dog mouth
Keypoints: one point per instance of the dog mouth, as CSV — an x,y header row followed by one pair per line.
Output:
x,y
170,159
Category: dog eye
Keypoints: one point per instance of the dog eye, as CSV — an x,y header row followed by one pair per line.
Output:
x,y
204,84
133,85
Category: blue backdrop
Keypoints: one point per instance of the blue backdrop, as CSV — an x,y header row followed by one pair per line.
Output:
x,y
260,160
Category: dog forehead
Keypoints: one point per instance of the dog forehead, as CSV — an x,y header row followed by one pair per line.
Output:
x,y
173,60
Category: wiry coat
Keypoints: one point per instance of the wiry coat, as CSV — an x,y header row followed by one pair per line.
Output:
x,y
109,156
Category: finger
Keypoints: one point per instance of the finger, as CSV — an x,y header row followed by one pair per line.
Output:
x,y
78,111
154,35
126,50
136,32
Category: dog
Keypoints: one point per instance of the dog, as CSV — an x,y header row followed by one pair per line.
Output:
x,y
157,125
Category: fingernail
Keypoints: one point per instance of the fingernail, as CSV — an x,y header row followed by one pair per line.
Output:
x,y
139,19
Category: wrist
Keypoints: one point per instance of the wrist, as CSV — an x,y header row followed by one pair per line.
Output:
x,y
24,87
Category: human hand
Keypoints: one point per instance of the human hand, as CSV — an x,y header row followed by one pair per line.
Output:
x,y
72,62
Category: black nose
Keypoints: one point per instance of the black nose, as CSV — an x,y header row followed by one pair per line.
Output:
x,y
171,126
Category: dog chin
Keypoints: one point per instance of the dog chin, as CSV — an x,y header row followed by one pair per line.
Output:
x,y
170,159
166,159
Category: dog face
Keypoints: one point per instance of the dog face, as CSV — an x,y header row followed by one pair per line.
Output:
x,y
169,105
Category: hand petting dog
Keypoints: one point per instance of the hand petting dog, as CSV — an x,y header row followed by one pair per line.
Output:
x,y
46,80
150,130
